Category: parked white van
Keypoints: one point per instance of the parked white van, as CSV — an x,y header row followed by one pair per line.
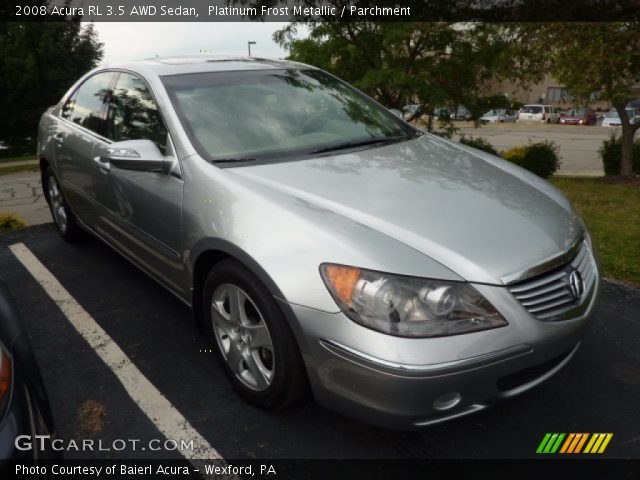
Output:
x,y
538,114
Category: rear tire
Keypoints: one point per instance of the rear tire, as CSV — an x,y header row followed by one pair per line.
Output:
x,y
252,338
64,219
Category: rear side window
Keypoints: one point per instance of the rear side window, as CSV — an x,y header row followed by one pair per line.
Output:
x,y
85,105
133,114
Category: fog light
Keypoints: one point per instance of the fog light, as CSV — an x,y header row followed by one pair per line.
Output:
x,y
447,401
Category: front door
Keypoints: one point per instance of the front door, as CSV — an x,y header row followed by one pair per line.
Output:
x,y
142,209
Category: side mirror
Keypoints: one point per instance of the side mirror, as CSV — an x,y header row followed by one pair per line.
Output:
x,y
139,155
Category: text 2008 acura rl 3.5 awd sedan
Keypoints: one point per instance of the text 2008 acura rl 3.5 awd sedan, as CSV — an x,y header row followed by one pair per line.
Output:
x,y
319,239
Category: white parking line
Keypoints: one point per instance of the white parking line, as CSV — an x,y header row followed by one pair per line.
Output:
x,y
154,405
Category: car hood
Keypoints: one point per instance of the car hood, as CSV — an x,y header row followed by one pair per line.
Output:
x,y
480,216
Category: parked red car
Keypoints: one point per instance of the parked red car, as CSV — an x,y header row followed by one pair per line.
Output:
x,y
579,116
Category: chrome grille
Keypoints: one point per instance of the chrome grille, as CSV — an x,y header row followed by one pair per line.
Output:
x,y
549,295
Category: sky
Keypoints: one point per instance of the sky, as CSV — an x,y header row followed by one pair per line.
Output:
x,y
130,40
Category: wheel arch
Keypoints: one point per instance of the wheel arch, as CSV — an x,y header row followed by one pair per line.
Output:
x,y
209,252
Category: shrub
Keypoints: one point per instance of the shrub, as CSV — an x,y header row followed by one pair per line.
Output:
x,y
479,143
515,154
10,222
540,158
611,154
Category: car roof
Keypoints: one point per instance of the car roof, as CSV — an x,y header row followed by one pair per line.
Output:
x,y
201,63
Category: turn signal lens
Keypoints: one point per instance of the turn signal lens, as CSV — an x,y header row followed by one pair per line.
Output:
x,y
123,152
5,379
342,279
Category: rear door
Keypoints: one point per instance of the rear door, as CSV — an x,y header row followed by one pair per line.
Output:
x,y
80,128
142,209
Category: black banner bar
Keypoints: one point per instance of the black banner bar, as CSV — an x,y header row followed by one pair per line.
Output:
x,y
325,10
526,469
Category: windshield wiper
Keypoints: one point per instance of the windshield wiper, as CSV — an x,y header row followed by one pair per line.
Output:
x,y
361,143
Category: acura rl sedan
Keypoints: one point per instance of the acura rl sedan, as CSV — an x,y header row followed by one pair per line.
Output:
x,y
324,244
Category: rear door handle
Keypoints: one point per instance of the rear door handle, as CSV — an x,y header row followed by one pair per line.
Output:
x,y
103,163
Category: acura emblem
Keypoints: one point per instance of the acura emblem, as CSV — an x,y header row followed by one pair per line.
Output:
x,y
576,285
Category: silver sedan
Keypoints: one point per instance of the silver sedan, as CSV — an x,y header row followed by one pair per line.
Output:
x,y
324,244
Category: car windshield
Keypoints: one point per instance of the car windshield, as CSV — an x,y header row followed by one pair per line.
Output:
x,y
578,112
532,109
612,114
265,114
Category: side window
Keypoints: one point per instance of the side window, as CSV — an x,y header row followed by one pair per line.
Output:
x,y
85,105
133,114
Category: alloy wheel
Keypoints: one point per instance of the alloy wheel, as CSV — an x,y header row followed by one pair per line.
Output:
x,y
243,336
57,204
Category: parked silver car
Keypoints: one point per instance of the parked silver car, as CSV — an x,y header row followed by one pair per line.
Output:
x,y
612,117
499,115
320,240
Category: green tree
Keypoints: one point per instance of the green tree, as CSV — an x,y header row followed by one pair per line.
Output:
x,y
594,61
39,61
433,64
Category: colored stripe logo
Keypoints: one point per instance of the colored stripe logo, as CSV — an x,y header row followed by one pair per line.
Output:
x,y
574,443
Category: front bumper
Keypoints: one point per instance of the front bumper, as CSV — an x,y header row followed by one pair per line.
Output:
x,y
394,382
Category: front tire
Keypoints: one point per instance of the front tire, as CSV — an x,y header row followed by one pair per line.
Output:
x,y
64,219
252,338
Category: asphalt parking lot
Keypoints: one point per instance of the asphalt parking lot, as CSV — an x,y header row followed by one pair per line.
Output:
x,y
597,392
577,145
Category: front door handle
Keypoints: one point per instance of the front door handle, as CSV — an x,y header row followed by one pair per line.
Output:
x,y
103,163
58,137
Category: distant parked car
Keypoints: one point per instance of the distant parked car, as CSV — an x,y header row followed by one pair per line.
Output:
x,y
409,111
579,116
500,115
24,406
538,114
442,113
461,113
612,119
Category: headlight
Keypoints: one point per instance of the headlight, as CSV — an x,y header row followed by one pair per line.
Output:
x,y
5,379
409,306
